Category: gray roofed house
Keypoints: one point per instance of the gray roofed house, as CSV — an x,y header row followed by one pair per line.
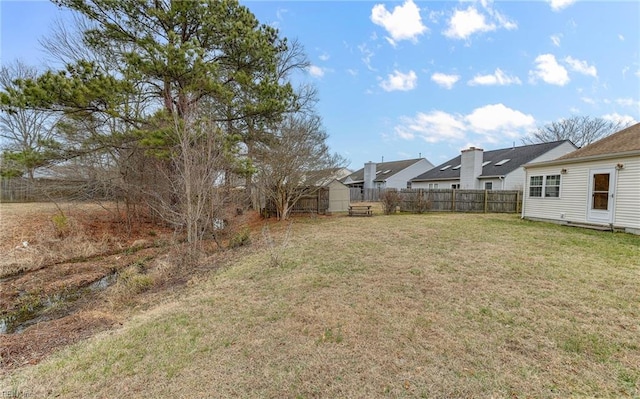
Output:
x,y
394,174
498,169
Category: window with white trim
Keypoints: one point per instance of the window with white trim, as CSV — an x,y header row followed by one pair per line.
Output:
x,y
552,186
544,186
535,186
488,185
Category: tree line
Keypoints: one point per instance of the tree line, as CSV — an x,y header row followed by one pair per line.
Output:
x,y
171,103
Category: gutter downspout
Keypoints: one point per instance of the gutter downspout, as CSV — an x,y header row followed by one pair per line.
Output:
x,y
524,192
615,197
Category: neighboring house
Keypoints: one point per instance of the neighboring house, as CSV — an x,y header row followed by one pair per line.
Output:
x,y
395,174
598,184
332,174
476,169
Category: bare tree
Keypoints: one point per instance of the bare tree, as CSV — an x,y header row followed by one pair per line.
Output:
x,y
295,162
196,197
25,133
580,130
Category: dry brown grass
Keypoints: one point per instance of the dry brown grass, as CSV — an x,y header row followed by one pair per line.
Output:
x,y
37,234
429,305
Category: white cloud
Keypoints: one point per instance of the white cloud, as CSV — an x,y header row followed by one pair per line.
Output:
x,y
621,37
432,127
623,119
497,118
557,5
549,71
497,78
403,23
555,39
280,13
588,100
493,122
434,16
352,72
465,23
627,102
367,54
502,21
400,81
581,66
316,71
444,80
324,56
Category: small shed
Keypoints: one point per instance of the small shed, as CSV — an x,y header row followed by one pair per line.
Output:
x,y
338,197
327,198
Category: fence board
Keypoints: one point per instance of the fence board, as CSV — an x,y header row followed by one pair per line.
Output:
x,y
316,203
450,200
25,190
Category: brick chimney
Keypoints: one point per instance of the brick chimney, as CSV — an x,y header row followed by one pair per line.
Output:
x,y
369,174
471,168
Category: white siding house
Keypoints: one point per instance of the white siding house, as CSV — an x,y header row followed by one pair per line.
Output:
x,y
476,169
394,174
597,185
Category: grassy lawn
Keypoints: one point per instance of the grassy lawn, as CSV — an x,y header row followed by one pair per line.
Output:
x,y
449,305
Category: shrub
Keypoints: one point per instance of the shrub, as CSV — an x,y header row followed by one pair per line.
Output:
x,y
132,281
390,200
423,202
61,225
240,239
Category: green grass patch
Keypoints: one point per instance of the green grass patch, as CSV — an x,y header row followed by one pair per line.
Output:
x,y
451,305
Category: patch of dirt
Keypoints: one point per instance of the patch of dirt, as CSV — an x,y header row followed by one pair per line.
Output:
x,y
40,340
91,311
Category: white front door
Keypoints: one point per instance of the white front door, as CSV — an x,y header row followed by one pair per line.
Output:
x,y
601,193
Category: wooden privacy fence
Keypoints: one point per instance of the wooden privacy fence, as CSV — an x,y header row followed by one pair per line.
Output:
x,y
365,194
315,203
450,200
42,190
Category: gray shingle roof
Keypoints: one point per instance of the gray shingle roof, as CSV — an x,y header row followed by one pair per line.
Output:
x,y
391,168
517,157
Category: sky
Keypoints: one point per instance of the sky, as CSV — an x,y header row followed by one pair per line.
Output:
x,y
407,79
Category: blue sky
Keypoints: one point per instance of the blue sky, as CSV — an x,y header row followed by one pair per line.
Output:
x,y
407,78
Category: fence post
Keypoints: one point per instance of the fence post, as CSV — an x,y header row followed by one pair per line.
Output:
x,y
453,200
486,200
518,209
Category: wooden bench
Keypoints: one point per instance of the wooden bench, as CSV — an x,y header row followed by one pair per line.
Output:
x,y
360,210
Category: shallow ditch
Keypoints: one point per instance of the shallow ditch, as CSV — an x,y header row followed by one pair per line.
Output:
x,y
35,309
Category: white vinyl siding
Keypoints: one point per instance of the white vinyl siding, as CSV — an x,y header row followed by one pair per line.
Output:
x,y
514,180
399,180
574,197
441,184
627,210
496,184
